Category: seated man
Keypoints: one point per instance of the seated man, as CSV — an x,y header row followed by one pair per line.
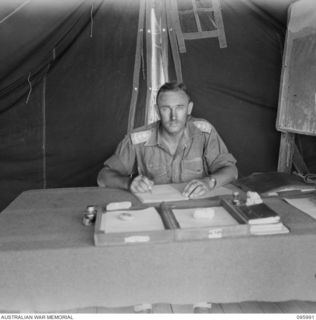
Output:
x,y
177,148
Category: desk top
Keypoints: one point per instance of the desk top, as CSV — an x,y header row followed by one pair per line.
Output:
x,y
49,261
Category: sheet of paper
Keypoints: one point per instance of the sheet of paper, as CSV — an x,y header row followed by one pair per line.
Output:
x,y
186,218
273,228
141,220
307,205
173,192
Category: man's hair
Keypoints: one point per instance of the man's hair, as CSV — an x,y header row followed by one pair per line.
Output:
x,y
173,86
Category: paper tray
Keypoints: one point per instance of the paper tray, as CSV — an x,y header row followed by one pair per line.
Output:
x,y
103,238
236,228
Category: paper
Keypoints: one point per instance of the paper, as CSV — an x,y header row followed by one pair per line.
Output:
x,y
264,220
141,220
273,228
173,192
307,205
185,218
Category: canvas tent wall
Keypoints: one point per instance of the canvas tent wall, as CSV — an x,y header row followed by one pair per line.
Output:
x,y
67,71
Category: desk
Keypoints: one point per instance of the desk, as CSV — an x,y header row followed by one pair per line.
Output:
x,y
48,260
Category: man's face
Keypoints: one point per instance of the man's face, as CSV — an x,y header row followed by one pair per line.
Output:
x,y
173,108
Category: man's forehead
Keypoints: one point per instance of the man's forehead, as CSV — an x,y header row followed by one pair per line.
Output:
x,y
166,96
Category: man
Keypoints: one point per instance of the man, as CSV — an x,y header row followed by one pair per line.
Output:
x,y
177,148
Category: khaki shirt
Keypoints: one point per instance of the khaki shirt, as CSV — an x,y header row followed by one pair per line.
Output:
x,y
200,152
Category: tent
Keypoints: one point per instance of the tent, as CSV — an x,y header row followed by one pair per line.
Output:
x,y
69,70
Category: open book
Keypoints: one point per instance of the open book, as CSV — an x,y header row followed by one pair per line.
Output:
x,y
173,192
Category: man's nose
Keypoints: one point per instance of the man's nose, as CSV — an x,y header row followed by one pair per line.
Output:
x,y
173,114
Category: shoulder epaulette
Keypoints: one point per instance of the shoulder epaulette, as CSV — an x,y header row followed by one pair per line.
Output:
x,y
203,125
140,136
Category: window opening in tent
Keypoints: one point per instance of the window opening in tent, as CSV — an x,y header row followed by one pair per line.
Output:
x,y
200,19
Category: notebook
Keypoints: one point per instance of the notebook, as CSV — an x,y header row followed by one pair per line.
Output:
x,y
258,214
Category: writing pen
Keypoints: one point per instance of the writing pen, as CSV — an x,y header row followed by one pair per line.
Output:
x,y
145,179
189,195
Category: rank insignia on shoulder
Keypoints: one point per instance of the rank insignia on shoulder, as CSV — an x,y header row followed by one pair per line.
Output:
x,y
203,125
140,137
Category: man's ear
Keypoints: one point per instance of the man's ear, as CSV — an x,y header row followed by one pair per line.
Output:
x,y
190,107
157,111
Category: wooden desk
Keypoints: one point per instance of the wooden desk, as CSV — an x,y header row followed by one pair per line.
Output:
x,y
48,260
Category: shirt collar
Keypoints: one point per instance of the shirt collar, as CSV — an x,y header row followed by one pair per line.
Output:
x,y
189,132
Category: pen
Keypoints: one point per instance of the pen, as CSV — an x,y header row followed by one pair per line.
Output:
x,y
189,195
145,179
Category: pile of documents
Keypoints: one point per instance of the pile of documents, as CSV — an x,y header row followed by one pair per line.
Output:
x,y
268,228
262,219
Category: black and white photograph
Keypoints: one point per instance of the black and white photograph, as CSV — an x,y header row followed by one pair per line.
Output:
x,y
157,159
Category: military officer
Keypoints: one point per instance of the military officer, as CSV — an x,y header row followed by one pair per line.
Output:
x,y
177,148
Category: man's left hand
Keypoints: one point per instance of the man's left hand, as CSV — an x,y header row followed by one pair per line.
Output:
x,y
196,188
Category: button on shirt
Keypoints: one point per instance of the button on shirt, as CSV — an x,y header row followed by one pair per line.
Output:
x,y
200,152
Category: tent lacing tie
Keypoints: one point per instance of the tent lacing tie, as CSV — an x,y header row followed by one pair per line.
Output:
x,y
30,91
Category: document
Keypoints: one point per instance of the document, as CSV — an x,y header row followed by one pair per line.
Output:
x,y
307,205
272,228
131,221
173,192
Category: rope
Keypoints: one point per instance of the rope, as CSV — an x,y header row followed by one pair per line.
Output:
x,y
30,91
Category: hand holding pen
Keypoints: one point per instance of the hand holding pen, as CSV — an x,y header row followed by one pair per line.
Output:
x,y
196,188
141,184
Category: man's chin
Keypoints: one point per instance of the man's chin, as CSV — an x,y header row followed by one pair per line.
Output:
x,y
173,129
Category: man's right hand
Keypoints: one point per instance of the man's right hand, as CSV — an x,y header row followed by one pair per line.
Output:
x,y
141,184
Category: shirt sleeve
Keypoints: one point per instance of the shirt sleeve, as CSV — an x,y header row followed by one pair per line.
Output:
x,y
216,152
124,158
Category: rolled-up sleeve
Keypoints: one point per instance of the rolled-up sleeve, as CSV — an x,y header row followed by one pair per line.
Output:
x,y
124,158
216,153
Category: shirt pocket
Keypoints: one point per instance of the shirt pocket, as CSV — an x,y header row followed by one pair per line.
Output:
x,y
157,172
192,169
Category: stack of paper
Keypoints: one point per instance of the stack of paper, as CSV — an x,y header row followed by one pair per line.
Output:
x,y
262,219
270,228
173,192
